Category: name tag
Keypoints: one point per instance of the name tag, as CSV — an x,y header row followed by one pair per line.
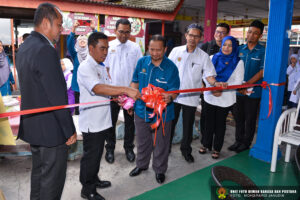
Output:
x,y
160,81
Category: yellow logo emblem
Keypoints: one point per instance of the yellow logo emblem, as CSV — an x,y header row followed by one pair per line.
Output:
x,y
221,192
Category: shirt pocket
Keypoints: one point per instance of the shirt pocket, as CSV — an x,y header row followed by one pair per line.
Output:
x,y
196,72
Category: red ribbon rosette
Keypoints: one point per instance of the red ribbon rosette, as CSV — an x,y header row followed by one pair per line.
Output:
x,y
151,95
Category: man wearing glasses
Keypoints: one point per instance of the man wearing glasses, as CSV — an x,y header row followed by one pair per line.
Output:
x,y
121,60
212,47
191,61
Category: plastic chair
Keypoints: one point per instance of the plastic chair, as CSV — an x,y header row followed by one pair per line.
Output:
x,y
286,131
223,173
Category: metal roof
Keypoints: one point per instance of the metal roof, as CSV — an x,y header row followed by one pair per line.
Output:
x,y
151,5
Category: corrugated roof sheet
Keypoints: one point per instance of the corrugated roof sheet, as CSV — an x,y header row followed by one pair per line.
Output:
x,y
153,5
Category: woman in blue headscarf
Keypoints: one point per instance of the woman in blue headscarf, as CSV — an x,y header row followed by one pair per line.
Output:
x,y
229,69
6,77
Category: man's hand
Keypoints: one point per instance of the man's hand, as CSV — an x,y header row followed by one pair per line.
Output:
x,y
295,92
72,139
75,25
167,97
243,91
133,93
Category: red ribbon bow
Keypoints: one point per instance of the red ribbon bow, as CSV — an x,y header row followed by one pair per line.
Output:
x,y
151,95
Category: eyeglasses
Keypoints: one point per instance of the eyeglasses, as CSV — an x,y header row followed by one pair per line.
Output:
x,y
220,32
124,32
194,36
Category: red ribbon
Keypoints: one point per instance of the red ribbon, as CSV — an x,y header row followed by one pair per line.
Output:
x,y
153,99
39,110
151,95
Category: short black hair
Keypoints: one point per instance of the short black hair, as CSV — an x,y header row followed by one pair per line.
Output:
x,y
25,35
194,26
94,37
158,37
258,24
224,25
45,10
123,21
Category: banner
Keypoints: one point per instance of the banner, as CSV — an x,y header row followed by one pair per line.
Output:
x,y
137,26
69,19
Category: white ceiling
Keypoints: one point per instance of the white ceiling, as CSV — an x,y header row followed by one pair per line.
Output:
x,y
236,9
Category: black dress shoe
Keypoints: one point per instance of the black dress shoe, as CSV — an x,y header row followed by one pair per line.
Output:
x,y
103,184
234,146
92,196
136,171
130,155
189,158
109,156
241,148
160,178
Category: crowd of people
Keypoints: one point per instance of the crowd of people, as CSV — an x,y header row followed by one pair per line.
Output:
x,y
99,70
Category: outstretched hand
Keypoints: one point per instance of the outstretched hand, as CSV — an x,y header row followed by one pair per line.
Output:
x,y
133,93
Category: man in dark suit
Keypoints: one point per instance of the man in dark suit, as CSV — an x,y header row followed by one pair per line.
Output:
x,y
42,84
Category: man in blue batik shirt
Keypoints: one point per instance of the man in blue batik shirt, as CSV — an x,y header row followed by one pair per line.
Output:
x,y
159,71
247,104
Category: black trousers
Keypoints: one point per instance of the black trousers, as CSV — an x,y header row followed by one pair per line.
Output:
x,y
202,118
77,95
129,129
188,119
245,115
49,165
215,126
93,145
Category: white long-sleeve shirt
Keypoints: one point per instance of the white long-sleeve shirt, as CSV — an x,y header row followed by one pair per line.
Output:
x,y
295,97
228,97
121,61
294,75
190,67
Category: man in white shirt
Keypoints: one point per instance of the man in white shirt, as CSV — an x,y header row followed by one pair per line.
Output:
x,y
121,60
94,120
191,62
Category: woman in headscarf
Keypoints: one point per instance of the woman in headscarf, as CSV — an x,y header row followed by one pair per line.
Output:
x,y
293,72
67,68
78,52
229,69
6,77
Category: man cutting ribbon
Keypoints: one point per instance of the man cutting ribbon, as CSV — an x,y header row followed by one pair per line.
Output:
x,y
159,71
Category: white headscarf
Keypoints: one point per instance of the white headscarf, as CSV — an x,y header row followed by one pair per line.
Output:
x,y
81,52
294,56
68,65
